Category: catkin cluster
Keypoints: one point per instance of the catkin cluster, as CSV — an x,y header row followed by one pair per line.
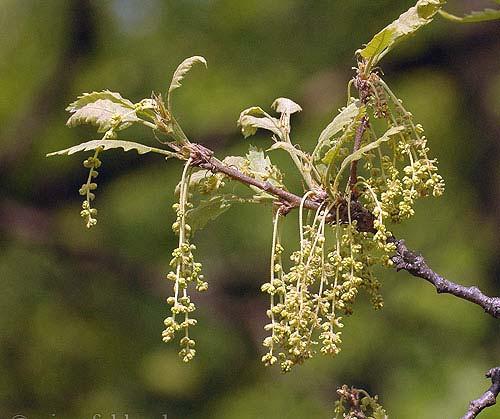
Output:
x,y
401,172
326,274
308,301
185,272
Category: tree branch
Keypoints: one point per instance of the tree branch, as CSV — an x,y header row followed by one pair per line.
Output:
x,y
404,259
488,398
415,264
203,157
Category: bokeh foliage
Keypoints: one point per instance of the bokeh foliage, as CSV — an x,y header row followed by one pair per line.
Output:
x,y
81,312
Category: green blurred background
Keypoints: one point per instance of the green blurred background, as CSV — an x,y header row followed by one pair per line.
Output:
x,y
81,311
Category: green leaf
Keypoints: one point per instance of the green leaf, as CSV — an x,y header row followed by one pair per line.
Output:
x,y
407,24
290,148
105,145
344,118
253,118
331,154
261,168
379,43
293,151
196,178
104,109
259,164
88,98
473,17
181,72
349,130
284,105
206,211
370,146
237,161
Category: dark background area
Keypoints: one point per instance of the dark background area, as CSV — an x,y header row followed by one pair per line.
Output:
x,y
81,311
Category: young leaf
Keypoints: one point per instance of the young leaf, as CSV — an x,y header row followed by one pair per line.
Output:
x,y
237,161
105,145
370,146
104,109
378,44
337,143
261,168
294,152
180,73
344,118
259,163
206,211
88,98
206,181
284,105
289,148
408,23
473,17
253,118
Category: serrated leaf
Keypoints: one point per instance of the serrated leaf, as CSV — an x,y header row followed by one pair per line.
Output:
x,y
196,178
344,118
203,181
181,72
259,164
370,146
284,105
104,109
253,118
407,24
88,98
473,17
105,145
236,161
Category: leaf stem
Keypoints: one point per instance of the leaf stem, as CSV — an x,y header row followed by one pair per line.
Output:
x,y
360,130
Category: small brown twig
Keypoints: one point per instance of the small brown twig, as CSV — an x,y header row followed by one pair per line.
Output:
x,y
488,398
415,264
203,157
